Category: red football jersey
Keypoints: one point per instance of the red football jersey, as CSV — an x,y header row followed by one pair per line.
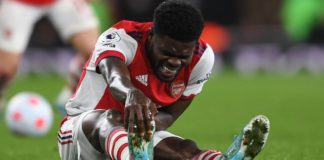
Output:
x,y
37,2
126,40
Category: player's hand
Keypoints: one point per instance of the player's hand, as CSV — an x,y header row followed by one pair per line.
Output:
x,y
139,114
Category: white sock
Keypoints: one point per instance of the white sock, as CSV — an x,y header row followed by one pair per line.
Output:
x,y
117,145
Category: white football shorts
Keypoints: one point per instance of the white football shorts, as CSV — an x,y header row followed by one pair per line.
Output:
x,y
17,21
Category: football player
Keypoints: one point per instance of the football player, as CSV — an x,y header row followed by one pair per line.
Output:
x,y
140,78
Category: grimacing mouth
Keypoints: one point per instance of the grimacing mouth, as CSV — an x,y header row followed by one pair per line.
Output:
x,y
173,71
168,73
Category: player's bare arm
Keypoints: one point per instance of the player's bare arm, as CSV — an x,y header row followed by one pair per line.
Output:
x,y
169,114
139,109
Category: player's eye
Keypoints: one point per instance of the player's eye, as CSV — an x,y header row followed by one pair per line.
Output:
x,y
168,53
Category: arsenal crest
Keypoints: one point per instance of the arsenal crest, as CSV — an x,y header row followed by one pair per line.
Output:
x,y
177,88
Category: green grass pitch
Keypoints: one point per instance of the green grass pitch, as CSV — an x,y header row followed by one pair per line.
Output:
x,y
294,105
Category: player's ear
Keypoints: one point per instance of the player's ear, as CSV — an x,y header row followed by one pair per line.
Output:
x,y
151,31
150,35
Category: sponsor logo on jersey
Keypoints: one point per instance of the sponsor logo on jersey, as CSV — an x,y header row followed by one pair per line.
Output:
x,y
204,78
177,88
142,79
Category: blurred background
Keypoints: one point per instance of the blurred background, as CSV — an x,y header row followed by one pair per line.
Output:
x,y
249,36
269,59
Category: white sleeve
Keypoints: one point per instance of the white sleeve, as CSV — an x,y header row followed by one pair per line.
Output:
x,y
117,41
200,73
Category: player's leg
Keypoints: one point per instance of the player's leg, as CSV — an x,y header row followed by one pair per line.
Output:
x,y
8,67
113,140
16,23
245,146
105,132
77,24
172,147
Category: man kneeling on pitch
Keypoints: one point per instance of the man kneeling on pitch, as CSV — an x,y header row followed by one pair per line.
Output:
x,y
140,78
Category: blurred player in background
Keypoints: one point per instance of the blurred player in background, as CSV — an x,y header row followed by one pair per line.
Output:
x,y
103,13
73,19
143,75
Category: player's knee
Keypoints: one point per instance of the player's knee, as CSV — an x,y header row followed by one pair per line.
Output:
x,y
188,149
114,117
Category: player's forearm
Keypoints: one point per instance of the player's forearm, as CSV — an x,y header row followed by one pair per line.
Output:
x,y
116,74
119,88
164,120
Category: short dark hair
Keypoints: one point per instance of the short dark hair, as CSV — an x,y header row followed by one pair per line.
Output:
x,y
179,20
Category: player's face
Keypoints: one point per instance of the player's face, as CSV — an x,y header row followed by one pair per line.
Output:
x,y
168,56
